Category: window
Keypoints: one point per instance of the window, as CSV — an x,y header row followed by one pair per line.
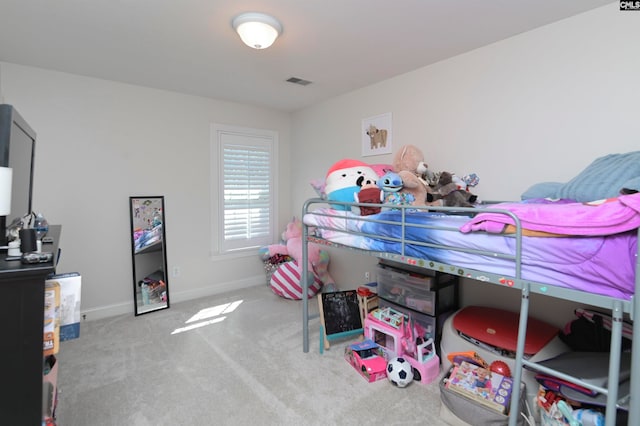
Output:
x,y
245,169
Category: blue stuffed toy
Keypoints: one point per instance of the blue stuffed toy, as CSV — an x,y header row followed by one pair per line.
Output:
x,y
391,184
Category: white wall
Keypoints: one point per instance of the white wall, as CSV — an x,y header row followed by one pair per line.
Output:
x,y
536,107
100,142
539,106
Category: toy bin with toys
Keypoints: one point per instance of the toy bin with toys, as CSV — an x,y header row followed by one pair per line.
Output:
x,y
556,410
491,333
469,407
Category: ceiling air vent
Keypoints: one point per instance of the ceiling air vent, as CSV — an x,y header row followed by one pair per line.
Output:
x,y
299,81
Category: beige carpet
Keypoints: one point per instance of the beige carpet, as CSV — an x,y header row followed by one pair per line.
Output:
x,y
234,359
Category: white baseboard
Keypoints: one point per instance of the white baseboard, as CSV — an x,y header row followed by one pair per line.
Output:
x,y
219,288
174,297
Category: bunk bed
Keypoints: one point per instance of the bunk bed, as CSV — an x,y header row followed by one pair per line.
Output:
x,y
591,260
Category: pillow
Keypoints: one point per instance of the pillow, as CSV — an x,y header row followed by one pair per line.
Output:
x,y
344,179
603,178
631,186
285,282
381,169
542,190
318,186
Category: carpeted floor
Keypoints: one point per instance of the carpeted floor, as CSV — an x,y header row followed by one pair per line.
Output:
x,y
233,359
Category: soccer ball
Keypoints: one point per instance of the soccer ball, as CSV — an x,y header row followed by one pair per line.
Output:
x,y
399,372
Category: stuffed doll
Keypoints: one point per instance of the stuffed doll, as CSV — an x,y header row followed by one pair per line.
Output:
x,y
450,192
410,158
430,178
391,185
466,182
318,259
345,178
372,194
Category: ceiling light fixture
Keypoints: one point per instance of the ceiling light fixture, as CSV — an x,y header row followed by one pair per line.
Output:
x,y
257,30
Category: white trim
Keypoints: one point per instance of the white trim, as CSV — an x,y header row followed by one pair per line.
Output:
x,y
126,308
217,131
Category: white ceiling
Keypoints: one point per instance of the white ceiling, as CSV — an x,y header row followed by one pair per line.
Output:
x,y
189,46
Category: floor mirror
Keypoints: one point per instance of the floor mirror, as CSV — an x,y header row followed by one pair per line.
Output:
x,y
149,253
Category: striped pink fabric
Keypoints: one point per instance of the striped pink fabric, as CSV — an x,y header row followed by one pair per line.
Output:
x,y
627,329
285,282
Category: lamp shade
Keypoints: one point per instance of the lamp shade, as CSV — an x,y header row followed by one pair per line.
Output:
x,y
257,30
6,177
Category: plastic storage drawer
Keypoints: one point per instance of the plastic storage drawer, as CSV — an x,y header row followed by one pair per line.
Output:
x,y
407,290
426,321
430,294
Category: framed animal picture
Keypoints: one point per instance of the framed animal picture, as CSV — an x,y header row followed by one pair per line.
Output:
x,y
376,135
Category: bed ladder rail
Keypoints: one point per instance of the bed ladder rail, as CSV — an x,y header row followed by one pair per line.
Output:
x,y
634,391
614,363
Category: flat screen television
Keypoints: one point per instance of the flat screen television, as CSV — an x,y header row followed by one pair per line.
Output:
x,y
17,150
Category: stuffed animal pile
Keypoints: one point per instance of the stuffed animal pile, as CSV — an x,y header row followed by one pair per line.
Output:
x,y
285,280
407,181
428,187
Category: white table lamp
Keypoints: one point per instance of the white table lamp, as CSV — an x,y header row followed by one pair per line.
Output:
x,y
6,175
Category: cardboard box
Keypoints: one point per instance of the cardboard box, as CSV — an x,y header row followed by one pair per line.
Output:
x,y
70,291
51,336
368,360
478,383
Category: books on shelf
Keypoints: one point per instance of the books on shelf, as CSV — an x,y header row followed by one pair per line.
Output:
x,y
479,384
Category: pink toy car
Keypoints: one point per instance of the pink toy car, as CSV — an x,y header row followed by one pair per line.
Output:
x,y
367,358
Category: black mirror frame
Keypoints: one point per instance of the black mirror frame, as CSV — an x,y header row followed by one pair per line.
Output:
x,y
145,255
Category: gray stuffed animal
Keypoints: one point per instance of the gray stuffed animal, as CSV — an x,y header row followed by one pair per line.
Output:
x,y
447,192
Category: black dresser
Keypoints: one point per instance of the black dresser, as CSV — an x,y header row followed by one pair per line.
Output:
x,y
21,343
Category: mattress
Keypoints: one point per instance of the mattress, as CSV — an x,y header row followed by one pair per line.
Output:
x,y
589,247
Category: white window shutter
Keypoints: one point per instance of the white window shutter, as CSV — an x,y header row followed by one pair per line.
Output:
x,y
246,175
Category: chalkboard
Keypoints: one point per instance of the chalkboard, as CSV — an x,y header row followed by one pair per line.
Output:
x,y
339,316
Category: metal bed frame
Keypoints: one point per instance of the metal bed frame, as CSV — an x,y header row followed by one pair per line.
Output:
x,y
618,307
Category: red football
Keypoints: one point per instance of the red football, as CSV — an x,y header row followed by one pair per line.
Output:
x,y
500,367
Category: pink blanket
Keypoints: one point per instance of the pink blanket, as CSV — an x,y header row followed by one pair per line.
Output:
x,y
604,217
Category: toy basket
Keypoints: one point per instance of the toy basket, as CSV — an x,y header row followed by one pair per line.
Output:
x,y
547,420
468,411
273,263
